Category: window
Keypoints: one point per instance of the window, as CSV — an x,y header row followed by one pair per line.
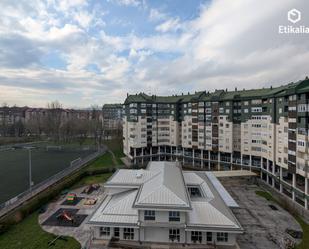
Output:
x,y
196,236
174,216
104,231
128,233
194,192
149,215
116,232
174,235
222,237
256,109
209,236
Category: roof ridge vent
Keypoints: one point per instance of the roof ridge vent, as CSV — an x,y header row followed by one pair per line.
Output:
x,y
139,174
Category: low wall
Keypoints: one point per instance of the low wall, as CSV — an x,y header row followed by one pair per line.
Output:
x,y
288,204
33,200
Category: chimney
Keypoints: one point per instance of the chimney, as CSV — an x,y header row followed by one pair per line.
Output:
x,y
235,89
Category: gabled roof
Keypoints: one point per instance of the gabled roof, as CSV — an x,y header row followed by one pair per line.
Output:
x,y
205,214
117,209
166,190
163,186
301,86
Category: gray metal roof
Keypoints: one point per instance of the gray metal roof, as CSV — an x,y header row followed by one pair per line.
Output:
x,y
165,190
227,198
117,209
163,185
131,177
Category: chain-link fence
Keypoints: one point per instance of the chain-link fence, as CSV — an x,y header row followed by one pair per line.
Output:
x,y
75,165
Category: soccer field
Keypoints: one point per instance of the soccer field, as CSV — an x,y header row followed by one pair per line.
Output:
x,y
14,170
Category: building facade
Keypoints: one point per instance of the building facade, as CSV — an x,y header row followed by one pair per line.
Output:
x,y
263,129
112,119
163,204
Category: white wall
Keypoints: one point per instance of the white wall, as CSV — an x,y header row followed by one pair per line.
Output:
x,y
159,234
162,216
97,233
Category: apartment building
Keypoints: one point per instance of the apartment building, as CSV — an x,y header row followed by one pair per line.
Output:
x,y
112,118
11,120
264,130
163,204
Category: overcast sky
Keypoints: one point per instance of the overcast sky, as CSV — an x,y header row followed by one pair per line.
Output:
x,y
84,52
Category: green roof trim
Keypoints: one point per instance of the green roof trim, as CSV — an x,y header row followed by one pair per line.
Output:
x,y
223,95
112,106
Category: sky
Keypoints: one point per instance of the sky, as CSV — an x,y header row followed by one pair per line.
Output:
x,y
92,52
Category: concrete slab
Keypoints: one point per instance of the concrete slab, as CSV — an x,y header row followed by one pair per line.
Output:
x,y
264,227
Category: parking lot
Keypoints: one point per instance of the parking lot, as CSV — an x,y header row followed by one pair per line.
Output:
x,y
264,226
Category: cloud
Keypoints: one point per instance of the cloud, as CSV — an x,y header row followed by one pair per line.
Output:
x,y
228,44
65,5
157,15
127,2
83,18
172,24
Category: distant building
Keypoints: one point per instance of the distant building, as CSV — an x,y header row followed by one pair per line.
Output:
x,y
12,120
164,204
265,130
112,119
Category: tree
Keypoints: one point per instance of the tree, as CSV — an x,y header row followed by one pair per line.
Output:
x,y
96,124
54,120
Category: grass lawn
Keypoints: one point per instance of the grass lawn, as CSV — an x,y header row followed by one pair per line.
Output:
x,y
115,146
305,241
87,180
104,161
28,235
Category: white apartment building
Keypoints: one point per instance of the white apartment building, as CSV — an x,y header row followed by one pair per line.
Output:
x,y
265,130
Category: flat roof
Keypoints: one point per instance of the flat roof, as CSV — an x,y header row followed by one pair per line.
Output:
x,y
231,173
227,198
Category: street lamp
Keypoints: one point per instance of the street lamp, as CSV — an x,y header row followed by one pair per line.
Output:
x,y
30,165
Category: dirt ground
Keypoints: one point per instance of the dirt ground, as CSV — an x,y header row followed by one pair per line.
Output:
x,y
264,227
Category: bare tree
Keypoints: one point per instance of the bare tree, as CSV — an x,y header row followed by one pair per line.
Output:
x,y
96,124
54,119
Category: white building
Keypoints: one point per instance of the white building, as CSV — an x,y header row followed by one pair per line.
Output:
x,y
164,204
